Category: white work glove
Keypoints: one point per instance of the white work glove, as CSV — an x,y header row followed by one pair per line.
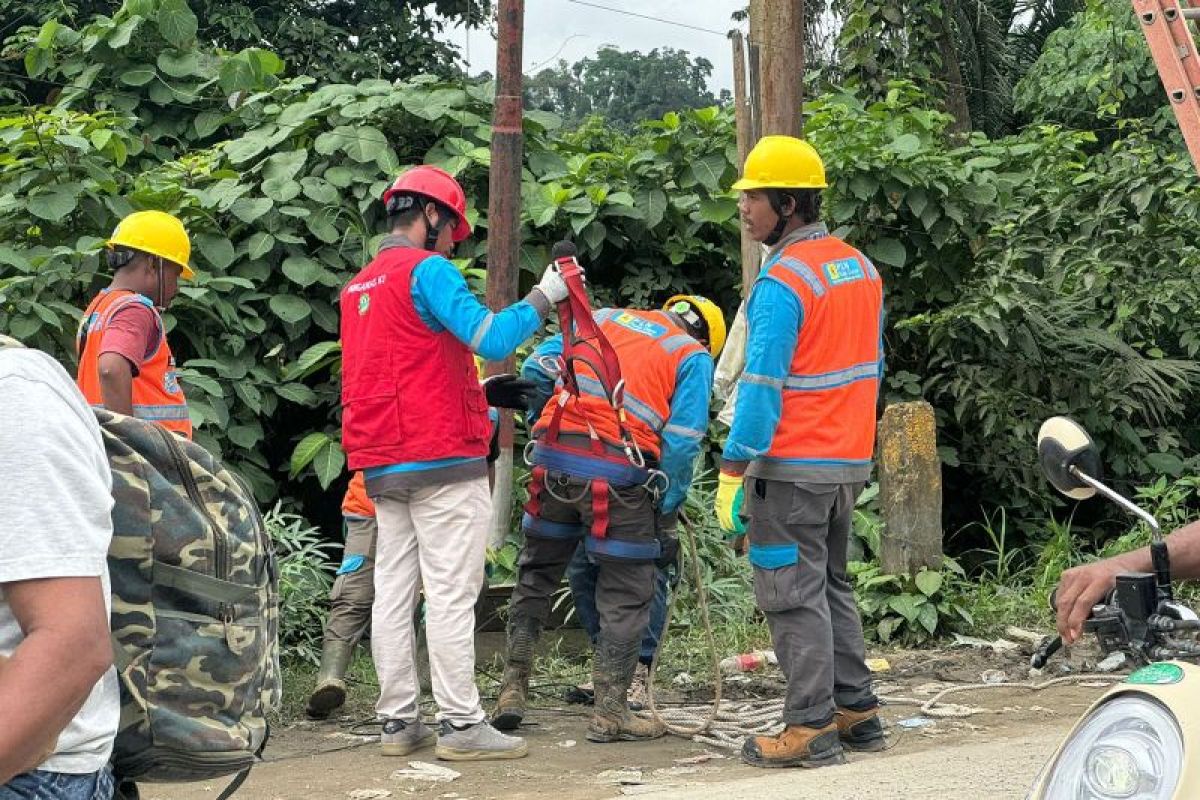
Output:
x,y
552,286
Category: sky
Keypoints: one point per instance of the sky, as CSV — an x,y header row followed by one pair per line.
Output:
x,y
569,30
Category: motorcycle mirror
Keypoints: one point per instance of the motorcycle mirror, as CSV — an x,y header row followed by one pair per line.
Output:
x,y
1063,444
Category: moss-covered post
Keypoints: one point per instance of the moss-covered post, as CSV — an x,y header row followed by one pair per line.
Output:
x,y
910,489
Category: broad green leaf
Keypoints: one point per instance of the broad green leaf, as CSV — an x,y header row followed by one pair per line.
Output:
x,y
321,226
297,393
55,204
905,605
216,250
237,74
176,22
289,307
888,251
927,615
329,463
139,76
654,203
310,359
929,582
36,61
245,148
887,627
247,436
285,164
209,385
281,189
340,177
709,170
179,64
306,450
301,270
364,143
260,244
207,123
249,209
905,144
1166,463
320,190
45,37
121,35
101,138
717,210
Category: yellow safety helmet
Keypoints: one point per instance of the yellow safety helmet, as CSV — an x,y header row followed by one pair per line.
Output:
x,y
782,162
157,233
714,320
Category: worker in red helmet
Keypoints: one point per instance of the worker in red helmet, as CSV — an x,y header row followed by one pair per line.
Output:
x,y
415,420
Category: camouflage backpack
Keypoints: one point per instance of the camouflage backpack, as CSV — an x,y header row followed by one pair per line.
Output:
x,y
195,609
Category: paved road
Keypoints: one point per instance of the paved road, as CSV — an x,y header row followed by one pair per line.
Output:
x,y
997,770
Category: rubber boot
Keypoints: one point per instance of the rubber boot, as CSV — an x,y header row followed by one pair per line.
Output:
x,y
523,633
612,672
330,692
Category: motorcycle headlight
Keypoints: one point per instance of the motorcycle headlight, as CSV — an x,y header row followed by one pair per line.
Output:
x,y
1130,748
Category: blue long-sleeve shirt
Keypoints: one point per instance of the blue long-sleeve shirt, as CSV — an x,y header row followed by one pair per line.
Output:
x,y
683,433
444,302
772,307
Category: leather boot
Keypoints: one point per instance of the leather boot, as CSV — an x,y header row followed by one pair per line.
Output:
x,y
796,746
860,731
612,672
330,692
523,633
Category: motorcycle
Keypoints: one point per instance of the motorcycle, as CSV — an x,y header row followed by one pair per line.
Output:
x,y
1141,739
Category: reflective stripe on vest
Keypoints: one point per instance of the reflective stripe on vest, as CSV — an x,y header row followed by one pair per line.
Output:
x,y
650,347
157,396
830,392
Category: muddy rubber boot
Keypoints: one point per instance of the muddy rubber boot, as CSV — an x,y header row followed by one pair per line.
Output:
x,y
795,746
612,672
523,633
860,731
330,692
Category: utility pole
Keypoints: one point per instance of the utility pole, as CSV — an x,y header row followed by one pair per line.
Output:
x,y
504,219
745,110
777,30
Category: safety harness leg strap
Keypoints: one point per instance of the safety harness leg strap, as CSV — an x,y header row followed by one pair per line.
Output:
x,y
599,508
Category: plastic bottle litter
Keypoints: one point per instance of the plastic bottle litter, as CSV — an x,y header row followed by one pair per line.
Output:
x,y
748,662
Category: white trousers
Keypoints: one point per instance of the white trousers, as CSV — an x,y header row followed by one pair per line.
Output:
x,y
436,538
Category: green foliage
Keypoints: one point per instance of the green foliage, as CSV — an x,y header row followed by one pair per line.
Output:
x,y
624,88
1095,72
305,578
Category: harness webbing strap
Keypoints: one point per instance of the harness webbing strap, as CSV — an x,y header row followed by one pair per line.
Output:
x,y
599,508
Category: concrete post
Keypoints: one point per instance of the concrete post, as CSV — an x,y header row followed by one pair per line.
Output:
x,y
910,489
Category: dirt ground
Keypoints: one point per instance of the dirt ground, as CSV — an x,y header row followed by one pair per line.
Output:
x,y
1012,732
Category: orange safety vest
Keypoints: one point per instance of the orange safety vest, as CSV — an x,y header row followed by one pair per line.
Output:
x,y
650,347
157,396
356,503
829,395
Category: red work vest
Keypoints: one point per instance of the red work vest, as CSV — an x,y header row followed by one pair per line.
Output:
x,y
408,394
650,348
830,393
157,396
356,503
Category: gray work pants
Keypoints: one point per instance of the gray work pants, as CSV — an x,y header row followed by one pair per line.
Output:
x,y
354,587
624,586
798,534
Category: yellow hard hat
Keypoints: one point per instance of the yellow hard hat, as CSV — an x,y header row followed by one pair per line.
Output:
x,y
782,162
710,312
157,233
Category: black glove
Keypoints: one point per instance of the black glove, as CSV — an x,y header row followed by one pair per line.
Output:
x,y
509,391
668,559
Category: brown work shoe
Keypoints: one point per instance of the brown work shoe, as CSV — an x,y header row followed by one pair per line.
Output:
x,y
612,721
860,731
513,699
795,746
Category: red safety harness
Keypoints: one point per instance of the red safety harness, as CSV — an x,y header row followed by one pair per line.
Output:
x,y
584,342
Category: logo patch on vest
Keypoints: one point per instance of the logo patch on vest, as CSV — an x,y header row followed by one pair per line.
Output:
x,y
171,382
364,303
844,270
639,325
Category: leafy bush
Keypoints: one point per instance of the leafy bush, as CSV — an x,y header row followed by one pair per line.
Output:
x,y
305,578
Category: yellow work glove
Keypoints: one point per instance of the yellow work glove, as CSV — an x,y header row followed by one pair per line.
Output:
x,y
730,496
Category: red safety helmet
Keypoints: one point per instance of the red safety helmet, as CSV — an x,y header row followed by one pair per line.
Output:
x,y
437,185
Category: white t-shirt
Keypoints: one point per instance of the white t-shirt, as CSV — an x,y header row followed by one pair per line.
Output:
x,y
55,506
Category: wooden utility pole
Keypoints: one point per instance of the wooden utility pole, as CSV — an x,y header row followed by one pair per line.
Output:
x,y
777,30
744,113
504,219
